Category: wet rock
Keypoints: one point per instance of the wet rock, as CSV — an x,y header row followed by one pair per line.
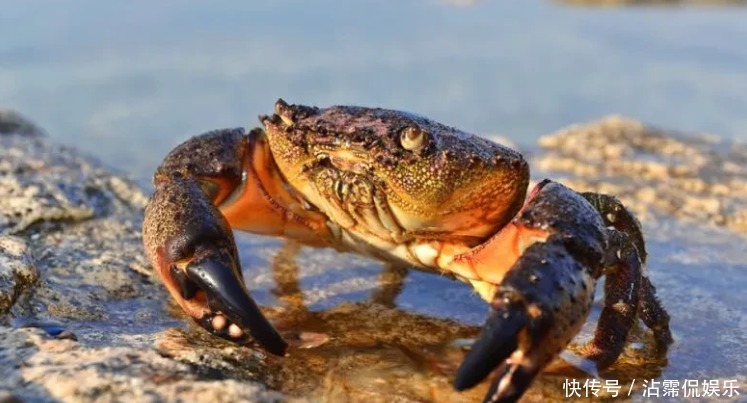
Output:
x,y
46,183
51,327
64,370
17,270
654,171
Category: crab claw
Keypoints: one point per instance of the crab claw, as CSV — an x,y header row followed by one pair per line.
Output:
x,y
190,243
543,293
232,310
527,329
497,342
192,249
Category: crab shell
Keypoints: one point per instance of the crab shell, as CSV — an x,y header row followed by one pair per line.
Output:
x,y
380,197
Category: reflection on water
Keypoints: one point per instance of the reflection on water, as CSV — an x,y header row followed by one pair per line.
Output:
x,y
127,81
370,348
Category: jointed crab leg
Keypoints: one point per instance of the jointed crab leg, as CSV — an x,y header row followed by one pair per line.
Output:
x,y
192,248
621,298
546,292
187,228
626,254
653,315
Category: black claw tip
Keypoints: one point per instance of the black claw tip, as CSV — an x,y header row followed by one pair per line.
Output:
x,y
496,343
226,293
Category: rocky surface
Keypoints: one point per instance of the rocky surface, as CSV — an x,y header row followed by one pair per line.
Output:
x,y
699,178
81,317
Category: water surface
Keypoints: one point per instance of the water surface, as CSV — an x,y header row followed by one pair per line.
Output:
x,y
127,81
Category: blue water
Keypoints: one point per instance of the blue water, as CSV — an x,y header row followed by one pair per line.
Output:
x,y
126,81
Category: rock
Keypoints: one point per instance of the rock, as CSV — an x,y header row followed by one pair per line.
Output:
x,y
46,183
13,123
655,172
17,270
65,370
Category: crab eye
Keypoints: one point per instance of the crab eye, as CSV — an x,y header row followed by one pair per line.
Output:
x,y
412,138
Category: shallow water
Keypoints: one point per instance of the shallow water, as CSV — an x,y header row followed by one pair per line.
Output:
x,y
128,81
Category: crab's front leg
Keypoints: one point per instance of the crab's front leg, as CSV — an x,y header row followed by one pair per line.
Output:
x,y
539,274
204,187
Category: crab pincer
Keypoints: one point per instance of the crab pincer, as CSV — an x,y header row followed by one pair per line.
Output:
x,y
545,294
547,291
190,243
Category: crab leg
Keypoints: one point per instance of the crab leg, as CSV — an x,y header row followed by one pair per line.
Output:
x,y
390,284
545,264
621,299
627,237
187,229
653,315
191,247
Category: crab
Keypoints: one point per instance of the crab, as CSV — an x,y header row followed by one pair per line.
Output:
x,y
403,189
